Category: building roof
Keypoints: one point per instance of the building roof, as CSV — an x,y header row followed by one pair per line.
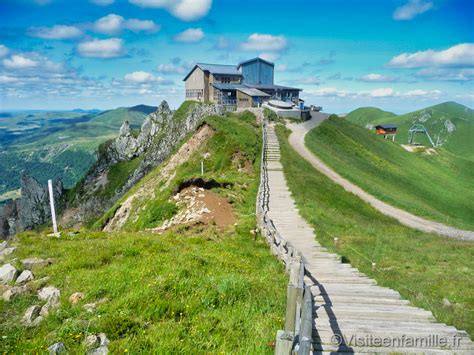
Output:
x,y
253,92
255,59
216,69
271,87
386,126
222,86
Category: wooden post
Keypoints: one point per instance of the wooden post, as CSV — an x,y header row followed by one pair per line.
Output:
x,y
284,343
306,330
53,211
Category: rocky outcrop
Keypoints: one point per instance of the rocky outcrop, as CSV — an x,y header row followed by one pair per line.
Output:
x,y
32,209
160,133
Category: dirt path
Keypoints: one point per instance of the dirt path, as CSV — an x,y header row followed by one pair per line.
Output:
x,y
296,140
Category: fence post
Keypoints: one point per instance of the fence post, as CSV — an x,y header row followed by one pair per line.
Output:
x,y
53,211
284,343
306,330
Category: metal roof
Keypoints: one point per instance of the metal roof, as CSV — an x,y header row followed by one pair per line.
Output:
x,y
271,87
386,126
222,86
216,69
255,59
253,92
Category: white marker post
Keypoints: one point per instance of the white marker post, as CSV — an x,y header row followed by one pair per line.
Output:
x,y
202,167
53,211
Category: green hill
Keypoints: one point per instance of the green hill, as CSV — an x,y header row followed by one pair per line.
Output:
x,y
450,125
197,287
436,186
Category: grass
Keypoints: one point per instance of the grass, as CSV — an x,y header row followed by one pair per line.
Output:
x,y
436,187
425,268
189,290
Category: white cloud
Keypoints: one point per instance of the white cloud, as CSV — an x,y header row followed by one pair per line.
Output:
x,y
141,25
411,9
311,80
139,77
270,56
146,79
55,32
110,24
102,2
186,10
264,42
114,24
382,92
461,55
191,35
5,79
19,62
3,50
222,43
281,68
171,69
96,48
446,74
378,78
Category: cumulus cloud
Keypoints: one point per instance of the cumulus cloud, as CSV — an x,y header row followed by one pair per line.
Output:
x,y
461,55
171,69
96,48
141,77
411,9
264,42
378,78
55,32
113,24
186,10
102,2
446,74
380,93
19,62
191,35
3,50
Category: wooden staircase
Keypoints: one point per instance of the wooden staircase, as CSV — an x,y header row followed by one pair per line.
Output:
x,y
352,314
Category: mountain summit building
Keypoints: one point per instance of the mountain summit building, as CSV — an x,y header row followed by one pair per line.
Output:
x,y
248,84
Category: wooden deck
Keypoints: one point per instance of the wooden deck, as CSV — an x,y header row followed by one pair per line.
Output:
x,y
351,313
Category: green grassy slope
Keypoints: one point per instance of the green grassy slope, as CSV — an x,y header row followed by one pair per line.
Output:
x,y
367,115
449,124
427,269
197,289
437,187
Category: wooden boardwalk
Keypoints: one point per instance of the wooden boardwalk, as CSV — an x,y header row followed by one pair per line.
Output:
x,y
351,313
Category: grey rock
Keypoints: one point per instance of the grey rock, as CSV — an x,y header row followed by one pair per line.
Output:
x,y
57,348
8,273
7,251
50,294
3,245
14,292
31,315
91,341
35,262
125,129
25,276
103,343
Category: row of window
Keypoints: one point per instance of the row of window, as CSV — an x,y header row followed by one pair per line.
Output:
x,y
194,93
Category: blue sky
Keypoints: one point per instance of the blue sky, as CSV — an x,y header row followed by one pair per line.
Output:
x,y
399,55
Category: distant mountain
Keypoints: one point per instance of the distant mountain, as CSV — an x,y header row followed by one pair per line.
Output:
x,y
450,125
80,110
59,144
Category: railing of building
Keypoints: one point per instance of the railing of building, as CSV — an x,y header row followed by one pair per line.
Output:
x,y
296,337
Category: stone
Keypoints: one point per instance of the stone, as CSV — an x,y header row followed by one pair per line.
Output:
x,y
35,262
7,251
51,296
3,245
76,297
8,273
24,277
40,282
91,341
90,307
57,348
14,292
31,314
103,342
